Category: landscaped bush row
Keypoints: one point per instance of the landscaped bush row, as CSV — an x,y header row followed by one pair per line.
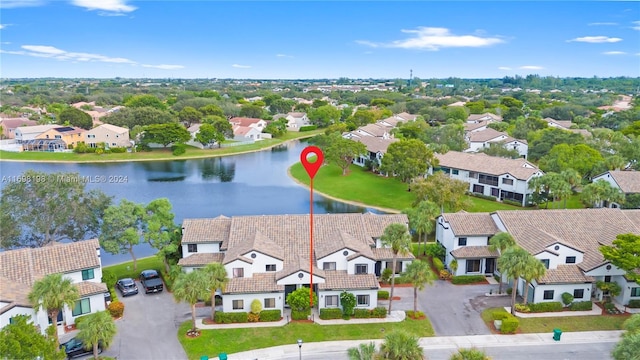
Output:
x,y
581,306
270,315
553,306
116,309
300,315
331,313
336,313
482,196
415,315
383,295
231,317
634,304
308,128
467,279
510,325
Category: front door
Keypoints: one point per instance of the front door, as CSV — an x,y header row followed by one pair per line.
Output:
x,y
490,266
378,268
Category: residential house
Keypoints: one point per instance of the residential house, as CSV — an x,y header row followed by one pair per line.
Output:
x,y
374,130
560,124
502,178
9,126
376,148
71,136
267,256
78,261
627,181
246,133
566,241
482,139
405,116
110,135
488,117
296,120
28,133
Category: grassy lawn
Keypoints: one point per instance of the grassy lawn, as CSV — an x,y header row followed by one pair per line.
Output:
x,y
573,202
125,269
156,154
567,323
484,205
213,342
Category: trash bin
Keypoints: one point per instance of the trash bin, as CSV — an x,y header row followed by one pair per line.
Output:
x,y
204,357
222,356
556,334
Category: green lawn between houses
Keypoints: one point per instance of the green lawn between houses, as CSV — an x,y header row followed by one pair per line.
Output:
x,y
214,342
125,269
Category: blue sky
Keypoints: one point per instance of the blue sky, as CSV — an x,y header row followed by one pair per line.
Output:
x,y
324,39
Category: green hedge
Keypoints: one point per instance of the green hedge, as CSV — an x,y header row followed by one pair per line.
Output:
x,y
437,263
300,315
500,315
634,304
331,313
511,202
361,313
307,128
383,295
230,317
553,306
482,196
468,279
510,325
178,149
379,312
270,315
581,306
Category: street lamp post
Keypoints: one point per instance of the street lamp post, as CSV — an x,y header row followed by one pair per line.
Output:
x,y
300,348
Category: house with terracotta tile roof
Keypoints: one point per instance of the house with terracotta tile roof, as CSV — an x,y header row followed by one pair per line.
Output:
x,y
566,241
488,117
268,256
9,126
70,135
78,261
482,139
627,181
502,178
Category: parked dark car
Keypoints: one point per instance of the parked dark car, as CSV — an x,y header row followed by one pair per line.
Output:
x,y
151,281
127,287
75,347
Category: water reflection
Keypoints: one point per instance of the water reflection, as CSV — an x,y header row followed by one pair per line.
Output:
x,y
217,168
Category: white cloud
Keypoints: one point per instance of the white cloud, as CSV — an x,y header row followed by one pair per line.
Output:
x,y
107,5
506,68
241,66
531,67
434,38
11,4
602,24
283,56
164,66
596,39
637,25
2,26
50,50
614,53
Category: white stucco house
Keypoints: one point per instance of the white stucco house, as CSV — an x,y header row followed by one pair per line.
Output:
x,y
296,120
267,256
482,139
627,181
78,261
566,241
502,178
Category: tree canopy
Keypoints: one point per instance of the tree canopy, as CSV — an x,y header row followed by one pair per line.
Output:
x,y
22,340
408,159
343,151
165,134
75,117
625,254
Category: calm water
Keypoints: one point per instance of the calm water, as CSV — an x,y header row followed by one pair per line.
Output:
x,y
248,184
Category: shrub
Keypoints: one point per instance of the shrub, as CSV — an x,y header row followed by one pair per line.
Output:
x,y
581,306
509,291
553,306
500,315
444,275
383,295
256,306
522,308
567,298
437,263
435,250
609,306
116,309
634,304
467,279
482,196
143,147
270,315
77,321
415,315
178,149
361,313
331,313
118,150
386,275
99,151
109,278
308,128
511,202
379,312
300,315
231,317
510,325
348,301
253,317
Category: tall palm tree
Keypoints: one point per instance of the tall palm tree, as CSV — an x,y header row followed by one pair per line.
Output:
x,y
97,328
422,219
599,191
217,278
400,345
514,264
419,274
398,239
365,351
52,293
501,242
534,270
559,187
191,287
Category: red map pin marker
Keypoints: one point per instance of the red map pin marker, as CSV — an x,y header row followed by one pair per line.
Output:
x,y
312,167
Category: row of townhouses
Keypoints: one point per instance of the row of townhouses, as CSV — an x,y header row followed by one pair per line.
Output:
x,y
58,137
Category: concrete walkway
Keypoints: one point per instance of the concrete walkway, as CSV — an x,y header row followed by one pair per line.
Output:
x,y
442,342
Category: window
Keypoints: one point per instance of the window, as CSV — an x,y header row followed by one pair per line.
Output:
x,y
545,262
238,272
270,267
87,274
455,172
329,266
238,304
83,306
488,179
548,295
571,260
462,241
507,181
473,266
192,248
607,278
363,300
398,266
269,303
331,301
361,268
578,293
478,189
635,292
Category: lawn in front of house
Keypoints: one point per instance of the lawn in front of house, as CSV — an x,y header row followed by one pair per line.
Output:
x,y
125,269
214,342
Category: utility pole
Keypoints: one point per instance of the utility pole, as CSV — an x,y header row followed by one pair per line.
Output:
x,y
410,77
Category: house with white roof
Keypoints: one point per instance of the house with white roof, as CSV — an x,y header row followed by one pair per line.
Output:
x,y
267,256
78,261
566,241
502,178
482,139
627,181
27,133
296,120
477,118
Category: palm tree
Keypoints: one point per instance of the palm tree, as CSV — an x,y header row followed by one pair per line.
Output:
x,y
52,293
534,270
422,219
501,242
217,278
469,354
397,237
558,187
400,345
191,287
599,191
97,329
514,264
362,352
540,190
419,274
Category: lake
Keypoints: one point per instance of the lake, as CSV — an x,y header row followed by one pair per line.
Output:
x,y
247,184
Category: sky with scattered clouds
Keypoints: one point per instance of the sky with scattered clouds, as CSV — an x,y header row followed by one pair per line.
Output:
x,y
317,39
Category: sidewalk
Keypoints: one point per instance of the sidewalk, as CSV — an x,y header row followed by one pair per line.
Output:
x,y
443,342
